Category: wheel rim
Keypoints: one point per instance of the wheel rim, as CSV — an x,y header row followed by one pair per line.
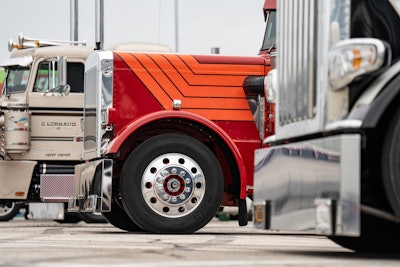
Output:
x,y
173,185
4,209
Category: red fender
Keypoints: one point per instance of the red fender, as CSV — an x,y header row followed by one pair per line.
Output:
x,y
116,143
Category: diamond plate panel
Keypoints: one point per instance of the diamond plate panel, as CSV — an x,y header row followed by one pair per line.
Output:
x,y
57,186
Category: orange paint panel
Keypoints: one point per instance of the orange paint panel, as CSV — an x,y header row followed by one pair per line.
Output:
x,y
146,78
221,79
224,115
208,87
214,91
226,69
177,81
158,75
172,82
184,80
215,103
216,97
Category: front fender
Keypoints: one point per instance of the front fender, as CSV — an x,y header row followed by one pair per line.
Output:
x,y
372,104
118,141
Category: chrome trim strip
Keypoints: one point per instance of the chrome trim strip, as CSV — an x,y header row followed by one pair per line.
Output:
x,y
345,124
17,143
22,129
57,139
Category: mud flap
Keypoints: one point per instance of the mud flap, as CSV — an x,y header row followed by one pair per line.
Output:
x,y
243,216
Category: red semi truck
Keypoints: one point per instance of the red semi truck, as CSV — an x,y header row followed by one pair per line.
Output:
x,y
153,141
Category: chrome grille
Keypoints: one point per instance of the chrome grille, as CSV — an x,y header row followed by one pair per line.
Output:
x,y
297,46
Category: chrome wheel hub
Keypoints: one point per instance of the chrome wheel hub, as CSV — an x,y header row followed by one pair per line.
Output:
x,y
4,209
173,185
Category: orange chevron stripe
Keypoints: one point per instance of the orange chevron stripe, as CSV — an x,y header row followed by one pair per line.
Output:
x,y
224,69
189,90
221,79
211,90
146,78
216,103
223,115
157,73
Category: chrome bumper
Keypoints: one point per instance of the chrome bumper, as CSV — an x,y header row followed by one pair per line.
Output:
x,y
309,186
92,187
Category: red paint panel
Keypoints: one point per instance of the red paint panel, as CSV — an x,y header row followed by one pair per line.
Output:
x,y
212,89
246,138
148,82
131,99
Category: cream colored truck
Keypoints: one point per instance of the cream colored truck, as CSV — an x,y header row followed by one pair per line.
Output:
x,y
41,130
41,125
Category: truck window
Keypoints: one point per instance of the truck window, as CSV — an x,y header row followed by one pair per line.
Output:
x,y
270,31
47,78
16,79
75,76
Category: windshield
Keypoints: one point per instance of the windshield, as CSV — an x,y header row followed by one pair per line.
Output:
x,y
16,79
270,31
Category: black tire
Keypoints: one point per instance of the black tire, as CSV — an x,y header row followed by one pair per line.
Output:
x,y
9,210
92,217
118,218
377,236
171,183
391,163
70,218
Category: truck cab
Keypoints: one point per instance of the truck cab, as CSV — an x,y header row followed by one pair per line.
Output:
x,y
269,41
41,116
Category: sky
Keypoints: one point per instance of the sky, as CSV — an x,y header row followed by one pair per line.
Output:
x,y
235,26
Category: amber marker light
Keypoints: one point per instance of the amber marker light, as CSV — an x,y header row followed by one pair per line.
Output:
x,y
19,194
354,57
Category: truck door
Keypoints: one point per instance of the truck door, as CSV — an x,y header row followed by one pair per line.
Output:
x,y
56,117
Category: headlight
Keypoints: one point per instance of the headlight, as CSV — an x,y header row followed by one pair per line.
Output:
x,y
271,86
354,57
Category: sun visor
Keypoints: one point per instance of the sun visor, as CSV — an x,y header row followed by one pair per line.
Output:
x,y
20,61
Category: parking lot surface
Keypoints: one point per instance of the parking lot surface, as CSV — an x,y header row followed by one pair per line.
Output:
x,y
220,243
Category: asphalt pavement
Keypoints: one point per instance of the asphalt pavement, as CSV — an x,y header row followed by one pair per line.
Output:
x,y
220,243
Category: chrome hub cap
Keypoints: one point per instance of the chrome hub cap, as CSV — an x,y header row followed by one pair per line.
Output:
x,y
173,185
4,209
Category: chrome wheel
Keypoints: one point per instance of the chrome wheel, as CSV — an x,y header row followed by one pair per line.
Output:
x,y
9,210
173,185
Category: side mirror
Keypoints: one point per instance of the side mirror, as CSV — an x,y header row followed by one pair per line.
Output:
x,y
62,90
66,90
